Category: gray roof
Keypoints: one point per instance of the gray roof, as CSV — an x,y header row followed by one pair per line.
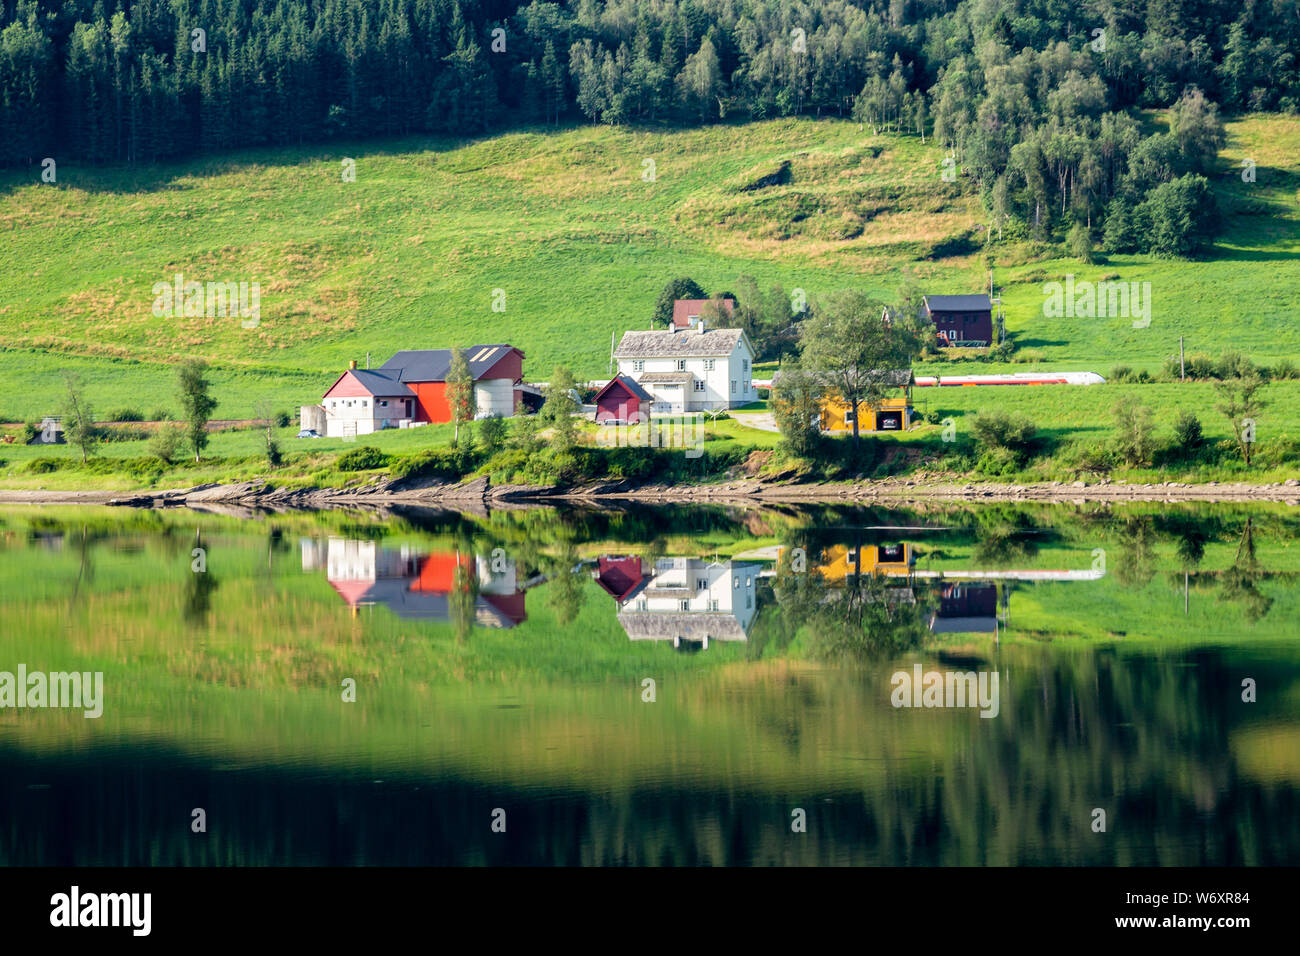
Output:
x,y
630,384
715,342
894,378
958,303
432,365
380,384
689,626
667,378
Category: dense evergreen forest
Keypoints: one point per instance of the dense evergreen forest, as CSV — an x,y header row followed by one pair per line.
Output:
x,y
1034,98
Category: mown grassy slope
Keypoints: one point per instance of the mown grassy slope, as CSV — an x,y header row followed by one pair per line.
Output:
x,y
572,229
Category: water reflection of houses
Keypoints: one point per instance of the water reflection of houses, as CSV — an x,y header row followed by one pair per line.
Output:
x,y
418,584
967,601
968,608
688,601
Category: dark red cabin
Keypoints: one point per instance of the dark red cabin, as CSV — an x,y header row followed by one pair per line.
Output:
x,y
622,401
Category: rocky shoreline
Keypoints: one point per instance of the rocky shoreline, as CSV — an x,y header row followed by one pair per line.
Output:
x,y
482,493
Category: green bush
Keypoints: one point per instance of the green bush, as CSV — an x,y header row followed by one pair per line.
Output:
x,y
363,458
29,432
998,463
43,466
124,433
1188,437
166,442
126,415
435,463
160,415
282,419
1015,433
1284,370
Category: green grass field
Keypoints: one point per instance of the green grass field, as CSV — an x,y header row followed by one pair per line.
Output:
x,y
570,228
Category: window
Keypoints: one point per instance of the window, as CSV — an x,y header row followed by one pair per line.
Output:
x,y
708,365
713,605
745,365
701,584
735,584
383,403
638,366
683,605
733,386
641,605
365,402
681,365
749,601
699,385
746,388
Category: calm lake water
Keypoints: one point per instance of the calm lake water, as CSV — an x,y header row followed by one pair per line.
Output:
x,y
647,686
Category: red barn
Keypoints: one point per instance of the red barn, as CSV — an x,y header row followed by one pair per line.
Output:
x,y
622,401
412,387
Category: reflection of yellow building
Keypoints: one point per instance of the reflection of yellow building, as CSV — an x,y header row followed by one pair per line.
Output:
x,y
888,415
841,562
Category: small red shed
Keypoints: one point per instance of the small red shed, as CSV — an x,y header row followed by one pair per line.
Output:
x,y
622,401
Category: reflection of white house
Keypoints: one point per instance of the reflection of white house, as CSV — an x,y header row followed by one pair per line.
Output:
x,y
692,370
691,601
417,584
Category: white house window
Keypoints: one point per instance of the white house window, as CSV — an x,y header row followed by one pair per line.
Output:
x,y
733,386
701,584
749,601
746,385
708,365
745,365
641,605
713,605
699,385
365,402
638,366
681,365
735,584
683,605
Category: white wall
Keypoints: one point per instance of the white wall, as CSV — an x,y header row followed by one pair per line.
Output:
x,y
494,396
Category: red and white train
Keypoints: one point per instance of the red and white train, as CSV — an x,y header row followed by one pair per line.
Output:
x,y
1014,378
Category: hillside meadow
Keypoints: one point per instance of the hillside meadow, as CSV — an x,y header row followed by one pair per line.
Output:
x,y
579,229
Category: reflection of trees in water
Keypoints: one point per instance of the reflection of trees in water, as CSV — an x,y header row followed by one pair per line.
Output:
x,y
866,617
199,588
1239,583
1135,560
565,594
1006,537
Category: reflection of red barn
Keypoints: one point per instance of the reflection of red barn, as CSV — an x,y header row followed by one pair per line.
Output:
x,y
622,578
437,573
622,400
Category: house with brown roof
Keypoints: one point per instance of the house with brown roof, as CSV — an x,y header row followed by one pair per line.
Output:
x,y
687,312
695,370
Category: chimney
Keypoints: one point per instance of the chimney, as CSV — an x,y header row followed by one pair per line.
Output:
x,y
701,325
352,364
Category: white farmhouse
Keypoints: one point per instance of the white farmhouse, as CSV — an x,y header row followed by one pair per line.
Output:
x,y
693,370
693,602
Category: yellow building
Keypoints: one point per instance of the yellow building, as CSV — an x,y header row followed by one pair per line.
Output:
x,y
841,562
888,415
